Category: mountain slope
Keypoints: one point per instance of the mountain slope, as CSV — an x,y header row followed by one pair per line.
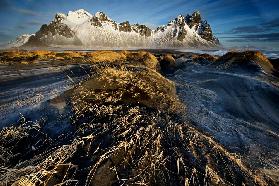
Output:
x,y
81,29
19,41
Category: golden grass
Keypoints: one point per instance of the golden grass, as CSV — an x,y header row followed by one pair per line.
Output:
x,y
140,58
169,58
68,55
106,56
26,57
143,58
244,57
137,85
261,59
203,57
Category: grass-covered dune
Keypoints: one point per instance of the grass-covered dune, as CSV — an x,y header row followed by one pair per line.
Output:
x,y
36,56
166,59
129,129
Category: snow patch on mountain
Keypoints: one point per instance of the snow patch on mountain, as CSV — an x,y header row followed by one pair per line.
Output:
x,y
20,40
74,18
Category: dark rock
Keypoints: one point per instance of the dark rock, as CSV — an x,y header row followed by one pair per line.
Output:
x,y
142,29
194,19
201,26
44,36
181,34
95,21
125,27
103,17
275,64
167,63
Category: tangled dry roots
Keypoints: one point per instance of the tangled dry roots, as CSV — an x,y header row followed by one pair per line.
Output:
x,y
125,134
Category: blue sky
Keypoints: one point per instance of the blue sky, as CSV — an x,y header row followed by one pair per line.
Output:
x,y
236,23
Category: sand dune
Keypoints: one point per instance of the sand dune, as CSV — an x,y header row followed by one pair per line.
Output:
x,y
239,108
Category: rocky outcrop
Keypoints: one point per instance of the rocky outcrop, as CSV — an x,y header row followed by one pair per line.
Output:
x,y
54,33
19,41
95,21
102,16
275,64
142,30
125,27
201,26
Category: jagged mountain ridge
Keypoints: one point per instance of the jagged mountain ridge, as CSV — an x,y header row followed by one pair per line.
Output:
x,y
20,40
81,29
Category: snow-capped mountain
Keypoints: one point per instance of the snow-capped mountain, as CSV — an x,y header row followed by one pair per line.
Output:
x,y
81,29
20,40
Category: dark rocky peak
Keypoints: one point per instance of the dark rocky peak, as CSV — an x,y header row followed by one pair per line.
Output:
x,y
196,15
59,17
160,28
180,20
194,19
125,27
52,29
95,21
142,30
102,16
195,22
204,30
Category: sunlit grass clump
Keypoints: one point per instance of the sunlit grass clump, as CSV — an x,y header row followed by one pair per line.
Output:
x,y
131,85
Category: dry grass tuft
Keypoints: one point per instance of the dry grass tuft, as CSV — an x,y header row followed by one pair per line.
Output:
x,y
167,63
136,85
203,58
140,58
143,58
70,55
106,56
246,57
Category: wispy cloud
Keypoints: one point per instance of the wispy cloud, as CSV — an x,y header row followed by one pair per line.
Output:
x,y
21,27
270,37
247,29
34,23
28,24
259,28
26,11
271,24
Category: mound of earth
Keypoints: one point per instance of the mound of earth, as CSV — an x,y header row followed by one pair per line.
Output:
x,y
249,59
203,58
167,63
